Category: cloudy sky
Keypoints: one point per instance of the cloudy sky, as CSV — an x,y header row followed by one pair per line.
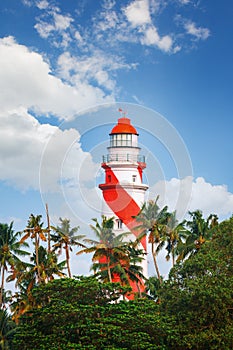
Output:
x,y
65,69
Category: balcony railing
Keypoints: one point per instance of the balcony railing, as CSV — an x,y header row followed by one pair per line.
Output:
x,y
124,158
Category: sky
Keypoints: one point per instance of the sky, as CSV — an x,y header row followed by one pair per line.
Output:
x,y
66,67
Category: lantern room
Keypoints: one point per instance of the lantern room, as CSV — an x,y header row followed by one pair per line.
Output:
x,y
123,134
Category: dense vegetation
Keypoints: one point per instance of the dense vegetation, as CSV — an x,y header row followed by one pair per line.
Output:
x,y
192,309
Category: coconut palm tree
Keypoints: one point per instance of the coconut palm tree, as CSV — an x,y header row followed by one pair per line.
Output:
x,y
35,231
109,249
152,287
176,234
64,237
22,273
21,302
152,221
48,265
7,329
133,270
199,230
10,249
25,275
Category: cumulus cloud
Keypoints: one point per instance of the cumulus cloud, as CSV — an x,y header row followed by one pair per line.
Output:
x,y
55,22
22,141
26,80
199,33
30,151
132,23
27,85
42,4
210,199
110,20
98,68
137,13
151,37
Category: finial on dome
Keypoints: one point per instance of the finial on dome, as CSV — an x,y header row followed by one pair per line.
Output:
x,y
123,113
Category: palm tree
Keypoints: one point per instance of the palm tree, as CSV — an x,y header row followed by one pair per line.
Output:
x,y
64,237
153,221
25,275
152,287
176,234
134,270
199,231
109,250
21,303
7,329
36,231
10,249
21,273
48,227
48,265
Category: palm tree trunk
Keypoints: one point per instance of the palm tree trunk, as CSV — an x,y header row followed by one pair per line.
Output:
x,y
139,290
173,257
109,270
48,223
37,258
155,262
2,286
68,260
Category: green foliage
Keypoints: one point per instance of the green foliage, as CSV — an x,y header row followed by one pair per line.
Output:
x,y
199,293
64,237
153,221
193,308
113,257
10,250
7,328
152,287
82,314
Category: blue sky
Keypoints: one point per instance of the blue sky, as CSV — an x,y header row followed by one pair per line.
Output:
x,y
65,69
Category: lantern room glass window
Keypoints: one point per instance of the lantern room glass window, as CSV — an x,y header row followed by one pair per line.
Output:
x,y
121,140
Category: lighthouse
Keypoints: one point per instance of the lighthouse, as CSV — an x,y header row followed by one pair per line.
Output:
x,y
123,190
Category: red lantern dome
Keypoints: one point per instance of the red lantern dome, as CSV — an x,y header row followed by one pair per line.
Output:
x,y
124,127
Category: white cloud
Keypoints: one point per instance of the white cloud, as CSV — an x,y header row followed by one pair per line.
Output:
x,y
184,2
57,23
27,3
198,32
22,139
151,37
62,22
137,13
98,68
26,80
78,36
133,23
42,4
27,84
210,199
108,4
29,150
110,20
44,29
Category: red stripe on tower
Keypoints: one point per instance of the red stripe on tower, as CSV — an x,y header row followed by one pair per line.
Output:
x,y
121,203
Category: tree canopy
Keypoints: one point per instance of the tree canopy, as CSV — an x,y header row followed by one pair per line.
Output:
x,y
191,309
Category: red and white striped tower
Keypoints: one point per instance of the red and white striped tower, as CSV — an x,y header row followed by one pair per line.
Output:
x,y
123,190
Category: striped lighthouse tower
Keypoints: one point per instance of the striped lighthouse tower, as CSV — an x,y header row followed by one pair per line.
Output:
x,y
123,190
